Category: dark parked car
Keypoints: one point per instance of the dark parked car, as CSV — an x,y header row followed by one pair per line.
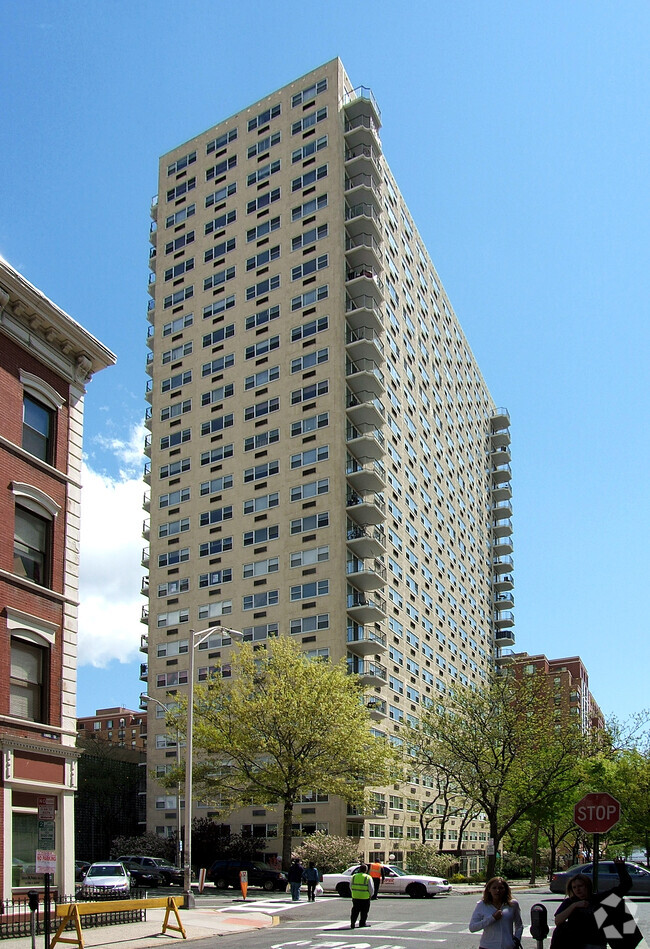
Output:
x,y
80,869
607,876
169,874
225,873
143,876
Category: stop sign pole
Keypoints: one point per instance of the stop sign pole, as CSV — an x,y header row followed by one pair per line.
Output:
x,y
596,814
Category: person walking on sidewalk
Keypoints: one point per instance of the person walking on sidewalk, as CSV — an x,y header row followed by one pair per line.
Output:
x,y
362,889
311,877
294,876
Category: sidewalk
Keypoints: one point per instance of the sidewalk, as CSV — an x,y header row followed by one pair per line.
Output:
x,y
198,924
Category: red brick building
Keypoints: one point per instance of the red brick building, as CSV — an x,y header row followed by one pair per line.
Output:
x,y
118,726
46,360
571,694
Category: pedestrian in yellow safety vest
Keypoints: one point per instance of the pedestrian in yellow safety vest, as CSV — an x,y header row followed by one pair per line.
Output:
x,y
361,888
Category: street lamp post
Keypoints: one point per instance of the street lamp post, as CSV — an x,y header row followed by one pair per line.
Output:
x,y
196,638
179,853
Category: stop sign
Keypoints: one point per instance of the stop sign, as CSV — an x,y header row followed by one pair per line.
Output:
x,y
597,813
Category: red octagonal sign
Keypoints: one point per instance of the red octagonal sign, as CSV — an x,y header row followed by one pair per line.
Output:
x,y
597,813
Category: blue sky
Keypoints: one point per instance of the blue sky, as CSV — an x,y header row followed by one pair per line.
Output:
x,y
519,134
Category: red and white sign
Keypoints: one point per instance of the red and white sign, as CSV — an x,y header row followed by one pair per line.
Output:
x,y
46,808
597,813
45,861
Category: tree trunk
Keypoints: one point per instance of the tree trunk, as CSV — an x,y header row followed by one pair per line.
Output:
x,y
491,865
287,821
533,868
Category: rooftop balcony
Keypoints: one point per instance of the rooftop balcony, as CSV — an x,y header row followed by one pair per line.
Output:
x,y
372,673
365,541
502,565
364,311
365,509
365,443
359,101
363,218
364,343
365,640
370,412
366,609
366,574
370,476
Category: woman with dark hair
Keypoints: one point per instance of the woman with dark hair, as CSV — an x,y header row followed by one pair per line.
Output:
x,y
498,915
575,921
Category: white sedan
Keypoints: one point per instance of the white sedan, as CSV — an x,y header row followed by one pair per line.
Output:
x,y
416,885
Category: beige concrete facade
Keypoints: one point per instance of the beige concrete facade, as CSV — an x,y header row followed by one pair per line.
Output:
x,y
325,457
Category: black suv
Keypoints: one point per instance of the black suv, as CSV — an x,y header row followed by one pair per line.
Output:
x,y
167,872
225,873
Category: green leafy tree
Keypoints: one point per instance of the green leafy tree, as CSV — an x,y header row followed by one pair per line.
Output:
x,y
424,859
150,845
279,726
330,854
501,748
212,841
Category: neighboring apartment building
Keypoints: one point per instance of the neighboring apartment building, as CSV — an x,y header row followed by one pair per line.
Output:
x,y
326,460
118,726
571,696
46,361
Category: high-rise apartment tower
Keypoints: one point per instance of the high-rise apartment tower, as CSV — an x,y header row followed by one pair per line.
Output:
x,y
326,461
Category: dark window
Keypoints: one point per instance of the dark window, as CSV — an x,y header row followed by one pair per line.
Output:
x,y
38,428
27,685
31,546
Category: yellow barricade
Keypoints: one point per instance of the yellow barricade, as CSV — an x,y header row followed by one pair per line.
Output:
x,y
72,912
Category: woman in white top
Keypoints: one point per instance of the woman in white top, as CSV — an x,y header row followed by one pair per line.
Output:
x,y
498,915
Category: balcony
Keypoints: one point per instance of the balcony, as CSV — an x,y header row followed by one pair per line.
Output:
x,y
364,343
504,601
501,474
147,418
364,413
146,529
365,158
500,420
364,280
362,129
362,188
499,457
362,218
364,311
502,528
370,476
504,620
500,439
365,442
144,643
364,378
144,560
365,542
501,492
366,574
502,565
146,473
151,306
144,586
504,637
504,657
153,233
365,508
501,546
144,671
365,640
371,672
360,100
365,609
146,501
378,709
148,365
154,207
501,509
503,584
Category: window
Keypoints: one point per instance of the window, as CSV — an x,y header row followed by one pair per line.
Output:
x,y
210,610
32,537
179,297
264,172
218,365
176,326
261,471
221,276
310,489
302,525
175,382
310,624
174,527
310,392
310,424
174,193
219,250
218,394
262,378
167,679
174,468
38,428
174,497
218,336
263,145
309,237
179,243
220,222
310,149
179,269
309,178
176,438
262,408
180,216
307,299
261,536
258,601
308,121
173,557
219,306
310,267
173,588
221,194
216,485
261,568
264,117
221,142
172,618
171,355
309,360
264,286
309,93
264,316
309,207
303,558
259,260
221,168
258,633
262,502
311,457
217,454
305,591
215,516
263,347
263,201
181,163
28,678
310,329
216,578
254,233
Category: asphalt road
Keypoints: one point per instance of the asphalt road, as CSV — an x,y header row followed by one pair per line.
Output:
x,y
394,922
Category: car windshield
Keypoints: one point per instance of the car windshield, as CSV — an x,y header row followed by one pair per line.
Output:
x,y
163,863
106,870
398,872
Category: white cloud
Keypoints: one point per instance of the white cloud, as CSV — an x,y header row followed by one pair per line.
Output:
x,y
111,549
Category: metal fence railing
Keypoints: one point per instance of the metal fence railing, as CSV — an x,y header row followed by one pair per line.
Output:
x,y
16,917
